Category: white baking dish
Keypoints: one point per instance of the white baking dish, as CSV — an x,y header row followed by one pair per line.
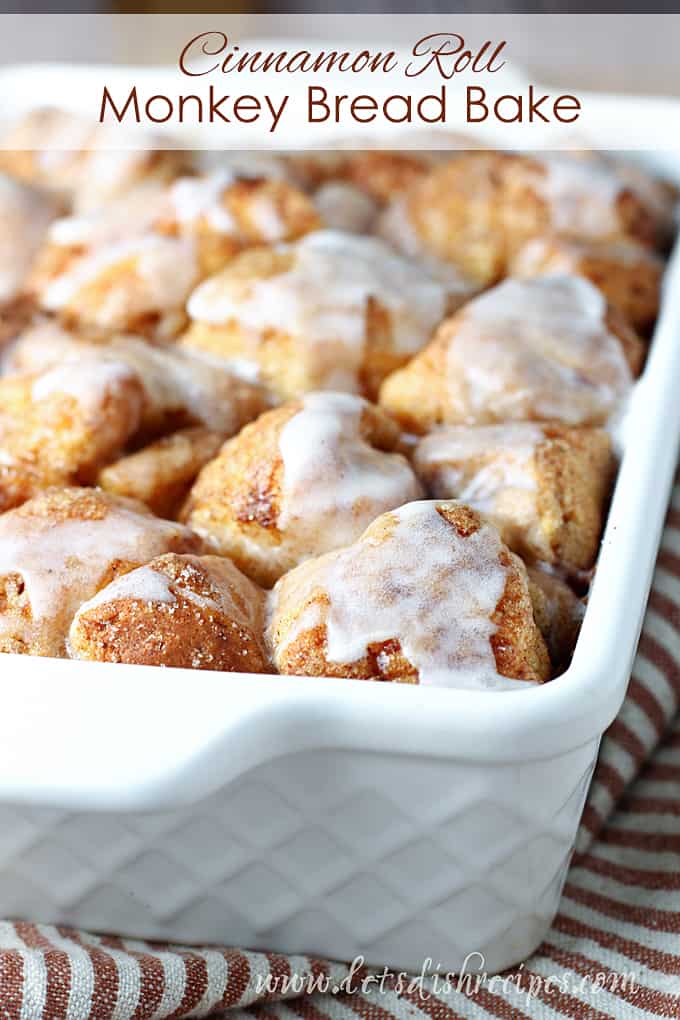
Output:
x,y
325,816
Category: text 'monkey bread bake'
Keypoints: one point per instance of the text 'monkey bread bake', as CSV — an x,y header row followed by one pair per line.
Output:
x,y
342,414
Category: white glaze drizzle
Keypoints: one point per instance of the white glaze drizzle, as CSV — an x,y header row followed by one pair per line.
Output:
x,y
421,583
193,198
150,583
537,348
165,268
62,561
88,381
145,584
449,459
131,215
323,299
334,482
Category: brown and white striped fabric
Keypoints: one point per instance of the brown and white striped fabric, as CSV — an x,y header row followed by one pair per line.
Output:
x,y
613,951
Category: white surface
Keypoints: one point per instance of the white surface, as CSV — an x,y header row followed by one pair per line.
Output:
x,y
208,807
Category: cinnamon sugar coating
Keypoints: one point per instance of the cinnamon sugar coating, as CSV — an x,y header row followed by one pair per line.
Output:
x,y
196,612
478,208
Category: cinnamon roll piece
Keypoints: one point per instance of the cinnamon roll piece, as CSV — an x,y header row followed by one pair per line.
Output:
x,y
59,549
60,425
429,594
543,349
477,209
332,311
196,612
182,388
628,274
139,285
544,486
301,480
162,473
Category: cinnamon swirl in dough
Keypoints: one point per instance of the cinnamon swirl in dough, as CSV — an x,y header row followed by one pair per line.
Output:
x,y
59,549
303,479
332,311
543,349
429,594
85,161
627,274
544,486
196,612
477,209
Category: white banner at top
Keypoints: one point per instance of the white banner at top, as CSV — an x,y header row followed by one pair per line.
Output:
x,y
259,82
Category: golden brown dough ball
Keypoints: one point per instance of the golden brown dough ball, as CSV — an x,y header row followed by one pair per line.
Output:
x,y
181,388
85,161
161,474
626,273
138,285
477,209
429,594
214,216
59,549
195,612
332,311
544,486
303,479
60,425
542,349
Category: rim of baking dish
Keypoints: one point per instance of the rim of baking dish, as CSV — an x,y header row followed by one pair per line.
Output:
x,y
112,736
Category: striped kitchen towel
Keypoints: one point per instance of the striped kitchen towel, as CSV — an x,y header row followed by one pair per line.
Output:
x,y
613,951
